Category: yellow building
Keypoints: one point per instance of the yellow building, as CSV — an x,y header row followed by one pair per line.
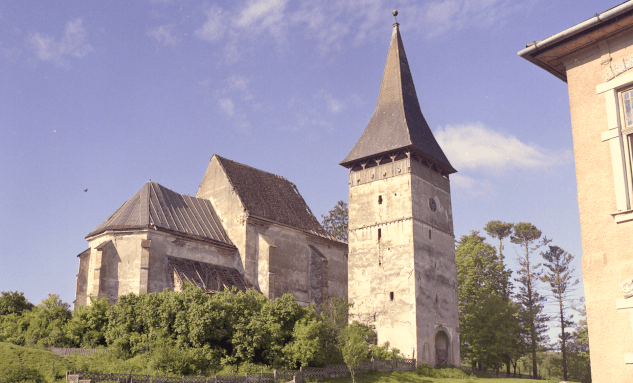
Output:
x,y
595,59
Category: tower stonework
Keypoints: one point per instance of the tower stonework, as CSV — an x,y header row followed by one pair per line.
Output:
x,y
401,267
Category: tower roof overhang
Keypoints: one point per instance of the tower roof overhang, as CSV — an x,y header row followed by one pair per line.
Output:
x,y
398,123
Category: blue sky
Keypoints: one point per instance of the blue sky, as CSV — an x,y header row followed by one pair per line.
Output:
x,y
108,95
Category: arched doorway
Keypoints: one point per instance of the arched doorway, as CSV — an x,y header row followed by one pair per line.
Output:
x,y
441,348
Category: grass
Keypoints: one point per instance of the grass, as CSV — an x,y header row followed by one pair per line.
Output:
x,y
415,377
21,364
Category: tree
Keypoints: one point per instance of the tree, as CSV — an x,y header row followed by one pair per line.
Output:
x,y
488,321
579,359
501,230
13,302
335,222
334,314
560,279
527,236
353,343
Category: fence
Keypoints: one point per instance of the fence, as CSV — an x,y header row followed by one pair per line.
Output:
x,y
77,351
498,374
296,376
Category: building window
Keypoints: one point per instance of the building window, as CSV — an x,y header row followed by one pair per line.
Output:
x,y
379,200
429,233
391,296
379,234
618,94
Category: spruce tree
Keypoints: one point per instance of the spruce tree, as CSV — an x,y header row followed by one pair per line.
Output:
x,y
559,277
528,237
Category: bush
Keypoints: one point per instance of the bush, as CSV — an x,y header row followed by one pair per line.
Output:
x,y
442,372
18,373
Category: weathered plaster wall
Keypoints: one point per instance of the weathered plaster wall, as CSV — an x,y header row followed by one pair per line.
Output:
x,y
216,187
135,261
115,268
166,244
82,279
396,271
606,258
288,264
291,258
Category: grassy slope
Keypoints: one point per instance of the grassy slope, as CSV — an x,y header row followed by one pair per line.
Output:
x,y
413,377
42,362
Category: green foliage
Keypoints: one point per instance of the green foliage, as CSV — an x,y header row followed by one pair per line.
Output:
x,y
13,302
488,320
353,341
532,303
307,347
88,325
43,326
335,222
334,314
559,277
383,352
443,372
19,373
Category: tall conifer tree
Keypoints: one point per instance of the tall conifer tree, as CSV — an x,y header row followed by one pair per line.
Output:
x,y
559,277
529,238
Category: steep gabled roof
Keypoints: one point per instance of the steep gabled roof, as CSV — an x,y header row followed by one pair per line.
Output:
x,y
270,196
397,123
156,206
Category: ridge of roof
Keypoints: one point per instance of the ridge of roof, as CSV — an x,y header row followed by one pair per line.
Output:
x,y
156,206
398,122
270,196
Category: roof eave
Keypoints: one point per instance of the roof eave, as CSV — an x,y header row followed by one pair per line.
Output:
x,y
449,169
532,50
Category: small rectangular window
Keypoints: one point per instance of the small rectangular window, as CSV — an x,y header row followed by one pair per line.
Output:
x,y
379,234
429,233
391,296
379,200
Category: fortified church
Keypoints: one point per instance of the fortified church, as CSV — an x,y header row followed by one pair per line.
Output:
x,y
250,229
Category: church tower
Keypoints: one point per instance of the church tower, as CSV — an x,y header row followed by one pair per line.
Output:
x,y
401,267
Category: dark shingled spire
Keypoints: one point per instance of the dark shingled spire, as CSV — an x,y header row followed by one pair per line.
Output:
x,y
397,123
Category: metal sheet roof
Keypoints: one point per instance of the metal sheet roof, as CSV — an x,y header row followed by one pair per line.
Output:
x,y
397,123
156,206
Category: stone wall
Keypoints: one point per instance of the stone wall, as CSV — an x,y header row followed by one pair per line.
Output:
x,y
275,257
124,262
402,273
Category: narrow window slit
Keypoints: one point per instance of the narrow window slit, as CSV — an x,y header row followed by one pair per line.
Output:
x,y
429,233
379,200
391,296
379,234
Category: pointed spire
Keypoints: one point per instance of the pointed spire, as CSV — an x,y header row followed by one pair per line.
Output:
x,y
397,123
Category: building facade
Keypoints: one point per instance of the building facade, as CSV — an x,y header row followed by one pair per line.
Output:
x,y
402,272
246,228
595,59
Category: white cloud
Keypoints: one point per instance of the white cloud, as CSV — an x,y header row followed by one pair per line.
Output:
x,y
262,14
478,147
332,25
164,35
446,16
473,186
213,29
73,43
227,106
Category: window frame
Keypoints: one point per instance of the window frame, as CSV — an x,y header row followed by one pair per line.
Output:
x,y
620,139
